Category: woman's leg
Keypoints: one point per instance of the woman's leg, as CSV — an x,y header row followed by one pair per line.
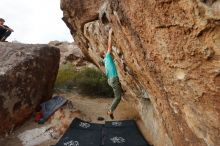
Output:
x,y
115,84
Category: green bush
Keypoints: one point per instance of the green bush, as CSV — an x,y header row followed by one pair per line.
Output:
x,y
91,81
66,76
88,81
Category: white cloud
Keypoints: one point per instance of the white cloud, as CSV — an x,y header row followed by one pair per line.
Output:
x,y
34,21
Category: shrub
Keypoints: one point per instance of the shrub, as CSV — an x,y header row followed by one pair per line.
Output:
x,y
88,81
66,76
91,81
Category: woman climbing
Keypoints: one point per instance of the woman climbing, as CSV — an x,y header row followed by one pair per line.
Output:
x,y
112,75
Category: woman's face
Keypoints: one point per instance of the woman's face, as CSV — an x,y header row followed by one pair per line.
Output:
x,y
103,55
1,22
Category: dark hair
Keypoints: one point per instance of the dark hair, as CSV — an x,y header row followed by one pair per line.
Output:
x,y
102,53
2,20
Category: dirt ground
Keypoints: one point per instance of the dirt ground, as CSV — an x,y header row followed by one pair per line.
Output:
x,y
84,107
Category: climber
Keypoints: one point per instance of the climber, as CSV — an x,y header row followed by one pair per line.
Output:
x,y
5,31
111,73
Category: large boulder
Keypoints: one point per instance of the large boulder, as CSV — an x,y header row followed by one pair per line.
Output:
x,y
167,55
71,53
27,76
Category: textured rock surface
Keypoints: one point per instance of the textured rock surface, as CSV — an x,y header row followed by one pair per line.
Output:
x,y
71,53
68,51
27,76
168,58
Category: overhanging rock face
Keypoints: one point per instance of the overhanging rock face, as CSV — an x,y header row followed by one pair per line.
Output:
x,y
27,76
168,58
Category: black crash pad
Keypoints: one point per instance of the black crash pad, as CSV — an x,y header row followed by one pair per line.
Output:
x,y
81,133
123,133
114,133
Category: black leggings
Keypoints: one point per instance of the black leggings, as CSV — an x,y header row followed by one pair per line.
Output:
x,y
4,33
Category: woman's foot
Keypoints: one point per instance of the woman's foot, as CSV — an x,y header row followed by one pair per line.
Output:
x,y
110,113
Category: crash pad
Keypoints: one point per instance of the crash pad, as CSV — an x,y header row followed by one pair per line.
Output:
x,y
112,133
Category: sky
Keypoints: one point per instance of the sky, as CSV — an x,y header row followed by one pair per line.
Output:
x,y
34,21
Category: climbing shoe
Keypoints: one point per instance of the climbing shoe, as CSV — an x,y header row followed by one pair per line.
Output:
x,y
110,114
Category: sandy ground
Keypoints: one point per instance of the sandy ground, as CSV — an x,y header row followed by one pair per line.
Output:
x,y
86,108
